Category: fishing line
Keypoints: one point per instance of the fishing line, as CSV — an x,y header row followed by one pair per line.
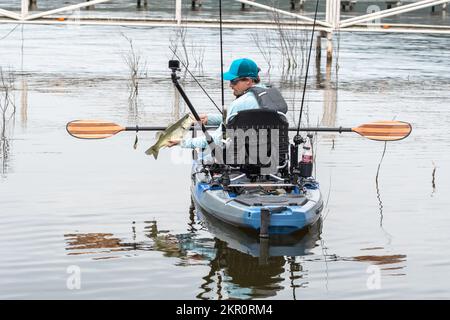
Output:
x,y
224,112
195,79
12,30
307,67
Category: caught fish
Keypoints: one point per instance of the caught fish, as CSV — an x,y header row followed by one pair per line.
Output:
x,y
173,132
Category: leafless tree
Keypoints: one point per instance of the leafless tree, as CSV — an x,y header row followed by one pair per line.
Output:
x,y
290,41
198,54
137,68
264,45
179,40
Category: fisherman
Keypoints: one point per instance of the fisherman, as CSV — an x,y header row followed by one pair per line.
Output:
x,y
245,83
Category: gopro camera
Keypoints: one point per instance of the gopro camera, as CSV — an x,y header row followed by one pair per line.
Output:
x,y
174,65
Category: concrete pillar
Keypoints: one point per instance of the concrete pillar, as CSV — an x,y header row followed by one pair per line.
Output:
x,y
24,8
332,16
178,8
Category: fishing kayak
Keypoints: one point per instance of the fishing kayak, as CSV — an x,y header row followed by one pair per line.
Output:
x,y
291,208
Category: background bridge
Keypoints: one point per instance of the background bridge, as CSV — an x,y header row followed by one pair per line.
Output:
x,y
334,15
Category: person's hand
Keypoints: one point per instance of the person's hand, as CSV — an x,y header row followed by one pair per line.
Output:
x,y
172,143
204,118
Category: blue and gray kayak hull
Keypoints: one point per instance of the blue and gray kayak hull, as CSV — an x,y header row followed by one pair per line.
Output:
x,y
289,212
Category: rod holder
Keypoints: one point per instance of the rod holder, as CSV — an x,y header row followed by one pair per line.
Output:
x,y
265,222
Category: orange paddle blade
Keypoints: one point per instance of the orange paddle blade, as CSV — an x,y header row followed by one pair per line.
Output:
x,y
384,130
92,129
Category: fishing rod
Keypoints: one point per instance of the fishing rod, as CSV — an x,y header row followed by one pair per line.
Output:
x,y
380,130
224,111
193,77
298,139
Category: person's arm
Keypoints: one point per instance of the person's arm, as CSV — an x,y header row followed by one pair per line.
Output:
x,y
200,142
214,119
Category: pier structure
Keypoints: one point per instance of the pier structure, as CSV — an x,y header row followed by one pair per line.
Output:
x,y
369,22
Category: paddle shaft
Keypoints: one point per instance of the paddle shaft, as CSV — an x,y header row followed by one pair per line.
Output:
x,y
340,129
379,130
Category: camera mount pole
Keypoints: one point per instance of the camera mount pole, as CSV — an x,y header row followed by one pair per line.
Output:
x,y
174,65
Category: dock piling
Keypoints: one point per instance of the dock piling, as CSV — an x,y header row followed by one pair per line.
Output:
x,y
329,47
297,4
32,4
347,5
243,5
142,3
196,3
333,16
390,4
318,51
90,7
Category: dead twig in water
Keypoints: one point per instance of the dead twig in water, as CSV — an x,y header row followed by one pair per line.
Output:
x,y
180,40
264,47
137,68
292,44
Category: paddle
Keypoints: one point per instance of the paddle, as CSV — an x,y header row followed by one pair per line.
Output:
x,y
380,130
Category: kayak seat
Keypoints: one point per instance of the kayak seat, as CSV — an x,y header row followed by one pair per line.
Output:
x,y
257,138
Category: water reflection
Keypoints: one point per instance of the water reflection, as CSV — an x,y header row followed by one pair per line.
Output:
x,y
433,179
380,202
248,267
24,103
240,265
329,100
385,262
7,118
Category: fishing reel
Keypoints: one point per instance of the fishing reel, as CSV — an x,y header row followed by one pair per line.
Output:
x,y
301,167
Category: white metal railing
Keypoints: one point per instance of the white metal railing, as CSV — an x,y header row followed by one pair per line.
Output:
x,y
391,12
332,21
287,13
24,16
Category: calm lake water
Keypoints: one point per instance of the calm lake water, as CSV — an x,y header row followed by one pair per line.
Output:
x,y
122,221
